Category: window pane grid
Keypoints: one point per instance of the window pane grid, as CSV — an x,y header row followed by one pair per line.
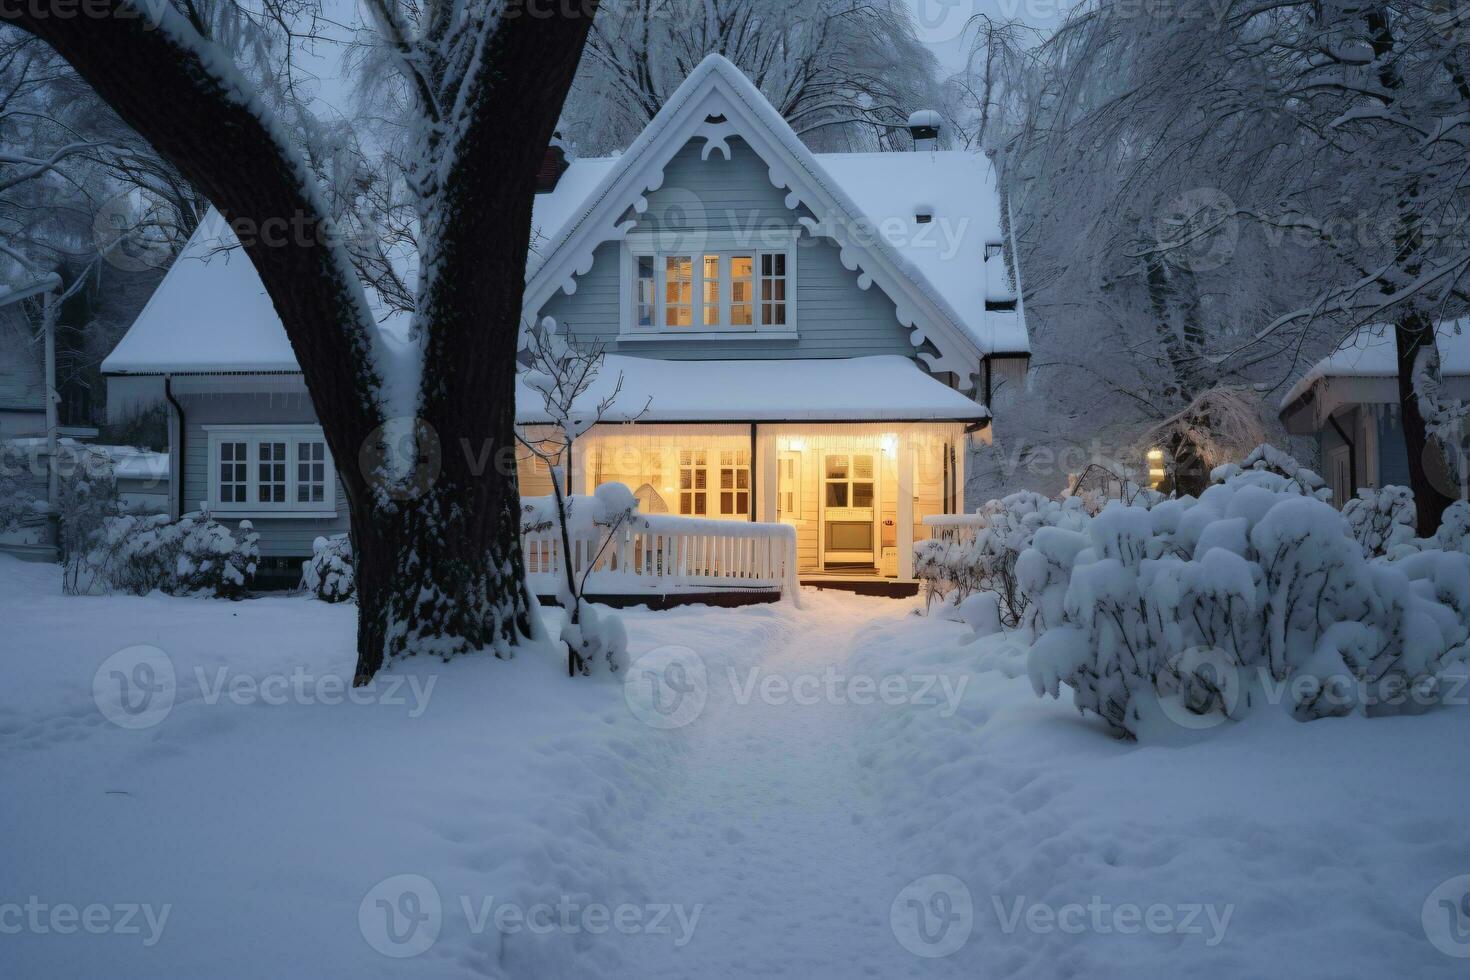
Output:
x,y
678,291
711,290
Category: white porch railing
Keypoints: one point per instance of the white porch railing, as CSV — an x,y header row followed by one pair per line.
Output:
x,y
662,553
954,527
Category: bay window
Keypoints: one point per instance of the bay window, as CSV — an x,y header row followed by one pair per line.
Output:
x,y
270,471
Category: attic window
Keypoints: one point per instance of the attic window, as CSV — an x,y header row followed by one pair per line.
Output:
x,y
992,249
716,119
923,217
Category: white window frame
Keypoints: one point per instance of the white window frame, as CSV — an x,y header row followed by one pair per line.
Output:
x,y
725,247
253,436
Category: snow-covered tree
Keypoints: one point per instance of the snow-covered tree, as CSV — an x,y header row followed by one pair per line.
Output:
x,y
844,73
564,372
1233,186
481,84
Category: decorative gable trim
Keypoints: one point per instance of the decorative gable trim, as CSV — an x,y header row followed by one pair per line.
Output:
x,y
715,103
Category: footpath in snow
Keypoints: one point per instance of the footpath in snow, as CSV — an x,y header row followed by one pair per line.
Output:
x,y
772,830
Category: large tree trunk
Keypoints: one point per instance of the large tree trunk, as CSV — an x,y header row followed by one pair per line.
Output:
x,y
1413,334
439,564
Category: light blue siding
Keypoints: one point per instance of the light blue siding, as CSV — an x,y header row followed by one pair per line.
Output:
x,y
1393,455
834,318
279,536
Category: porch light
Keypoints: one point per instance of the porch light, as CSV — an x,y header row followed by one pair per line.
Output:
x,y
889,443
1155,467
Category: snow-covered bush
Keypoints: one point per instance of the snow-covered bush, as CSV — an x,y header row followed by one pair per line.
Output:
x,y
86,500
1454,529
1273,469
987,561
591,635
328,573
1382,521
597,635
194,555
211,560
1193,611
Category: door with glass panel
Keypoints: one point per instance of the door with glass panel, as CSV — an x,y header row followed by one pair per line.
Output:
x,y
849,508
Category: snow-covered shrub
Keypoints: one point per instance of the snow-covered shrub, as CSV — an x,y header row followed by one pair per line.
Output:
x,y
987,561
212,561
1454,529
194,555
598,636
1193,611
1382,521
1273,469
981,612
87,499
328,573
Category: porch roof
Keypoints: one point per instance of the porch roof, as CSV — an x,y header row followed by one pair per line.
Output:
x,y
850,389
1364,370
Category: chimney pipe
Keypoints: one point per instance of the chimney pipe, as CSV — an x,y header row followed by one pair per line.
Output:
x,y
924,125
553,165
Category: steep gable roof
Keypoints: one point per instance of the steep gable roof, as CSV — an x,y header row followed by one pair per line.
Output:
x,y
211,312
717,103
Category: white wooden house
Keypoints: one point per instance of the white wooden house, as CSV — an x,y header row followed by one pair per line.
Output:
x,y
815,337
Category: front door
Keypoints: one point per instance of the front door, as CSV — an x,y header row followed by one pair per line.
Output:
x,y
849,509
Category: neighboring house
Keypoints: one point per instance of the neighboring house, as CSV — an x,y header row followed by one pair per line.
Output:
x,y
815,337
1349,401
22,378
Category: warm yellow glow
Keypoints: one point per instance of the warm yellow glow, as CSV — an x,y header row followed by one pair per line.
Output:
x,y
889,442
796,445
1155,455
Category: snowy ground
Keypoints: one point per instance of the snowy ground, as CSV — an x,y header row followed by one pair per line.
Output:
x,y
839,790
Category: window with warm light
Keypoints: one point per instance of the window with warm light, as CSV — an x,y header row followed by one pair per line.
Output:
x,y
725,290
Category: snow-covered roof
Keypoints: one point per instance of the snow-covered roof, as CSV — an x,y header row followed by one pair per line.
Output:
x,y
1370,352
717,102
959,191
211,313
826,389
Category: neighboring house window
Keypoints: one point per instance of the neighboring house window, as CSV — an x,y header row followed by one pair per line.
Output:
x,y
724,290
271,487
311,472
270,470
234,472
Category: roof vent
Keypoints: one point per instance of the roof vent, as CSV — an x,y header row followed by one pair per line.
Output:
x,y
925,125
